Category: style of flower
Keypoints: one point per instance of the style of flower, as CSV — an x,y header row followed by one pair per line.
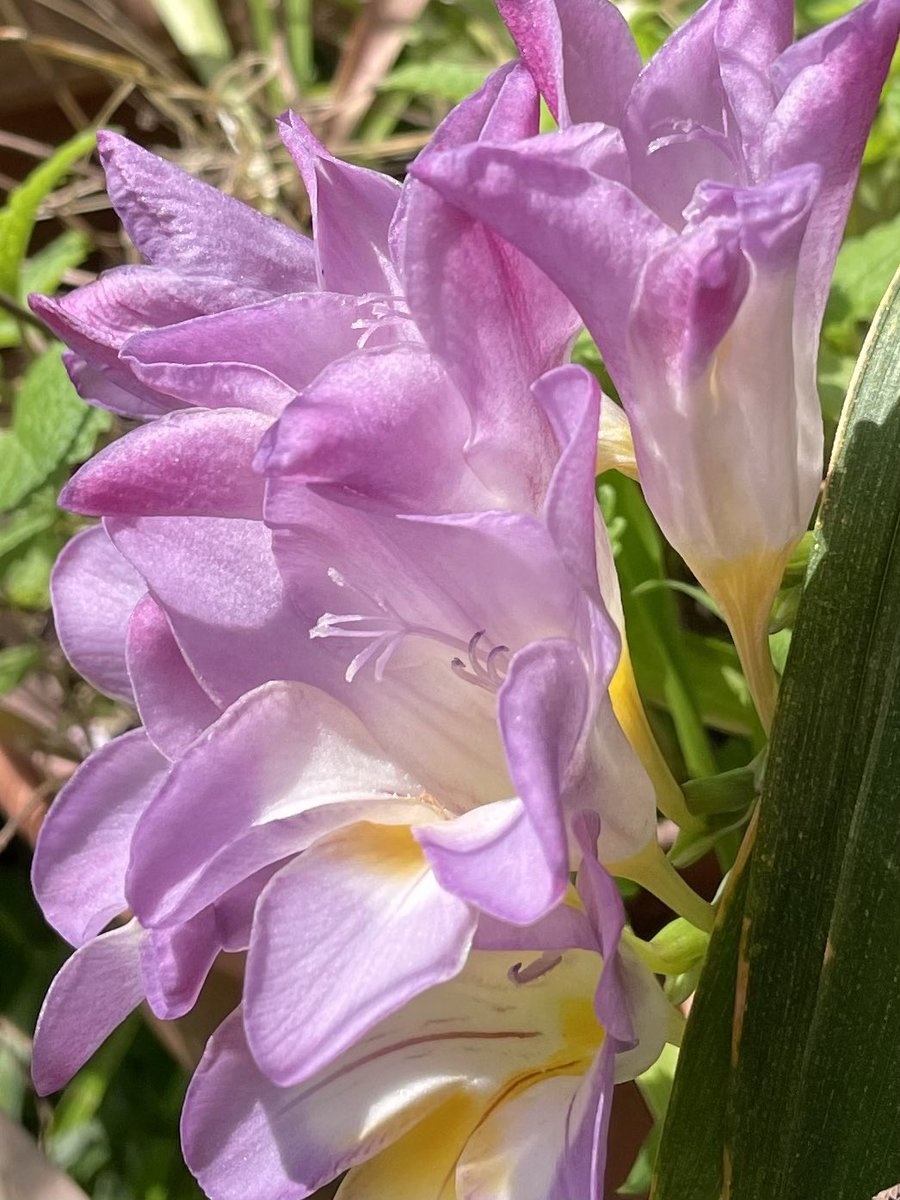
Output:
x,y
692,211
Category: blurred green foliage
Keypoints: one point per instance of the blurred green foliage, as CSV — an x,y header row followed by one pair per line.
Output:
x,y
114,1128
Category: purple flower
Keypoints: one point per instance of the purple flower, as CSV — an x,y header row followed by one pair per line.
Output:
x,y
692,211
499,1082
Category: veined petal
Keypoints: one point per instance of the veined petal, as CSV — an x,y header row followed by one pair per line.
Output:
x,y
307,751
94,591
376,930
562,42
352,209
246,1139
185,464
93,992
172,705
82,851
257,356
178,222
517,1152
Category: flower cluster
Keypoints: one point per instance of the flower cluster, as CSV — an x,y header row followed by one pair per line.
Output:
x,y
352,576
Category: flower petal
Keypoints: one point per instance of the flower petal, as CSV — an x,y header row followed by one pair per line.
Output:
x,y
257,356
352,209
562,41
83,847
590,235
374,930
246,1139
185,464
278,752
382,426
93,992
94,591
830,83
175,963
172,705
178,222
216,579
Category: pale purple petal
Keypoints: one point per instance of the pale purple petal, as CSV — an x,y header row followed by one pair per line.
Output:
x,y
350,434
749,37
172,705
744,427
581,53
178,222
185,464
570,398
94,991
83,847
346,934
94,590
108,388
255,357
217,581
308,751
352,208
175,963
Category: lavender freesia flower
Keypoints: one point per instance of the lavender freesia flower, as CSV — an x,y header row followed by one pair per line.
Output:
x,y
498,1083
692,211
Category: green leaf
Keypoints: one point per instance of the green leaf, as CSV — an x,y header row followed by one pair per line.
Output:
x,y
451,81
819,1028
43,272
26,579
863,271
689,1161
18,216
15,664
48,420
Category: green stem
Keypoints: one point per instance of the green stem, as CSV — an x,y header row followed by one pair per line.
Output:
x,y
652,870
298,36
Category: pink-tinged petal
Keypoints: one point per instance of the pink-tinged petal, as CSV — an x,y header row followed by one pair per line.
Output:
x,y
108,388
308,751
255,357
580,52
218,583
590,235
471,292
346,934
94,590
94,991
744,427
178,222
173,707
352,209
749,37
570,398
175,963
82,850
98,317
185,464
246,1139
351,431
830,83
